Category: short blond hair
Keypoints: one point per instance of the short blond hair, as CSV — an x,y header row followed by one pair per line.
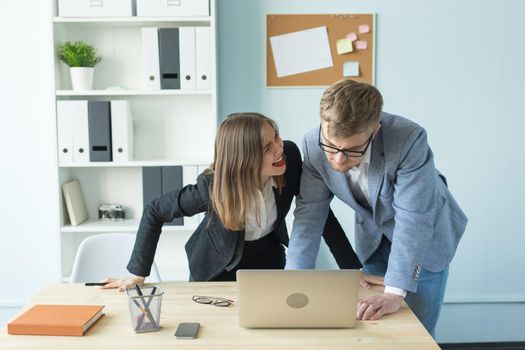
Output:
x,y
349,107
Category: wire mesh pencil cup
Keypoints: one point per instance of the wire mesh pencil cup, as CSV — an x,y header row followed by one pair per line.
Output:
x,y
144,308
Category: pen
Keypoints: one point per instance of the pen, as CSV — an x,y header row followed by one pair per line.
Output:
x,y
95,283
146,307
141,317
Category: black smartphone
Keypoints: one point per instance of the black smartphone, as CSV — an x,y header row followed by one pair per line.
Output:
x,y
187,330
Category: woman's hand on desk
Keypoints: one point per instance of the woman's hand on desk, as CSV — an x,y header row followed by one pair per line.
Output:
x,y
368,281
122,284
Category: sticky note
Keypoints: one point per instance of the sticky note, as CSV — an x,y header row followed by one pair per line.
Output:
x,y
364,28
351,69
344,46
352,36
361,45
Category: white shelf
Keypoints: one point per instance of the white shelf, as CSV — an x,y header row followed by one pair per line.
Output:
x,y
171,127
133,164
171,92
127,225
133,21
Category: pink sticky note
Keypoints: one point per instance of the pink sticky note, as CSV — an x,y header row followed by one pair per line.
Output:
x,y
364,28
361,45
352,36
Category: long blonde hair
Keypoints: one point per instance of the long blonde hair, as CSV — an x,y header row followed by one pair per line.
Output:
x,y
237,168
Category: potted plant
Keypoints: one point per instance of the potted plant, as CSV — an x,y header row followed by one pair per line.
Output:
x,y
81,59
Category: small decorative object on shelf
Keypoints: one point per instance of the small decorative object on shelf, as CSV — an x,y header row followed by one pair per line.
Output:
x,y
81,59
108,211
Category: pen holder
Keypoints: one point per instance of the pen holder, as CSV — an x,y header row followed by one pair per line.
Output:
x,y
144,309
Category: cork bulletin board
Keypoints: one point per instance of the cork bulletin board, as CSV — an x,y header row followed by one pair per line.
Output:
x,y
354,32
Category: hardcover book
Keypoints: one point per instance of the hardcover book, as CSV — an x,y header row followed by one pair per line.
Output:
x,y
69,320
76,208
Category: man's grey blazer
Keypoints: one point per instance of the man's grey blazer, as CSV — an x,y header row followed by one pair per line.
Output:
x,y
410,204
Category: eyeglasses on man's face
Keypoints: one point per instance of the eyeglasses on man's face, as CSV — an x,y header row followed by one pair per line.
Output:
x,y
347,152
221,302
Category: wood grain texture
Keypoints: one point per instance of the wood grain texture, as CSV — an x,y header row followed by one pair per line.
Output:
x,y
219,328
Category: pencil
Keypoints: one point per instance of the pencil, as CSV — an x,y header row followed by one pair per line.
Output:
x,y
146,307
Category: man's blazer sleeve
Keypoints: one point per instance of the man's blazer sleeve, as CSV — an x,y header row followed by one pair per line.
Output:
x,y
311,212
414,200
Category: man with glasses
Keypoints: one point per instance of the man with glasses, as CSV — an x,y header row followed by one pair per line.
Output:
x,y
407,224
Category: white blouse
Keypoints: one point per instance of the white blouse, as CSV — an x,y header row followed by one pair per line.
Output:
x,y
267,214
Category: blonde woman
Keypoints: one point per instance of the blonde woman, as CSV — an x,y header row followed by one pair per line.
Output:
x,y
245,195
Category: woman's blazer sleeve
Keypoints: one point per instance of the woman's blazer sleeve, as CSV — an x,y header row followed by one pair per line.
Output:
x,y
189,200
339,245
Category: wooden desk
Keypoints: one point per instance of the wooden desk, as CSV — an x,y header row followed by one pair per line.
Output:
x,y
219,327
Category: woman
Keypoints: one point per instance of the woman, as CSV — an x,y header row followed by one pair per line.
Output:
x,y
245,194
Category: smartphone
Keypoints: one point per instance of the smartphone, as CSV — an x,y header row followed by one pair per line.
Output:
x,y
187,330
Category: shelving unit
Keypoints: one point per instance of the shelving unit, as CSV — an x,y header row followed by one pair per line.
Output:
x,y
171,128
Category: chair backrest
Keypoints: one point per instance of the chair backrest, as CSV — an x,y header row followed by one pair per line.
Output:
x,y
106,255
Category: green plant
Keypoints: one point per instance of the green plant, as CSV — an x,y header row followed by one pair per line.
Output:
x,y
78,54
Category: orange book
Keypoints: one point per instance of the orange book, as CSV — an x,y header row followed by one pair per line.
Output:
x,y
56,320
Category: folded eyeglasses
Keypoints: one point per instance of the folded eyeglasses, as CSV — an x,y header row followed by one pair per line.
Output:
x,y
221,302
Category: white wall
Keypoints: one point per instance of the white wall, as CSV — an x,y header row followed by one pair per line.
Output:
x,y
29,251
455,67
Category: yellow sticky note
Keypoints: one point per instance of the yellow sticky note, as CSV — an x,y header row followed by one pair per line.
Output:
x,y
344,46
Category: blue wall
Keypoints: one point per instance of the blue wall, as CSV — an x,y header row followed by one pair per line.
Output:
x,y
455,67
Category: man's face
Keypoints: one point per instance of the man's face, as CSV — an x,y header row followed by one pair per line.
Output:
x,y
355,146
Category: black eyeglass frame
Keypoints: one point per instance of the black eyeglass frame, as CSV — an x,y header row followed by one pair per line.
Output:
x,y
215,301
346,152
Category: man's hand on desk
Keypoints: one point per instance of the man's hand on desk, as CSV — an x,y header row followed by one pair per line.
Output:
x,y
374,307
122,284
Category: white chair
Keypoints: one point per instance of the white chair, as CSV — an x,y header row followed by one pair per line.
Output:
x,y
106,255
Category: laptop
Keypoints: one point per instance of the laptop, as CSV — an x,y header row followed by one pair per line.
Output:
x,y
297,298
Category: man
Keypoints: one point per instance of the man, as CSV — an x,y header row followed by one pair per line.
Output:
x,y
407,224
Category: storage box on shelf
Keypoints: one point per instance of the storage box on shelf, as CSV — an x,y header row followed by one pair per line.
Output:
x,y
170,127
128,8
173,8
96,8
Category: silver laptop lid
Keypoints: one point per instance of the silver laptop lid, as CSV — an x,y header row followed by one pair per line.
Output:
x,y
297,298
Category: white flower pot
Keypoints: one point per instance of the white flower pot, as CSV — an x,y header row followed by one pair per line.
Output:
x,y
81,78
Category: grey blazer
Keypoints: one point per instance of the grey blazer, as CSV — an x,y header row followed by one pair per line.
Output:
x,y
411,204
212,248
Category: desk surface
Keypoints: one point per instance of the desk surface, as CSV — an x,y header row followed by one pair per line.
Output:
x,y
219,327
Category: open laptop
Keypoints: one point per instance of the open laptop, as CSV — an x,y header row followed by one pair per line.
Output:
x,y
297,298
